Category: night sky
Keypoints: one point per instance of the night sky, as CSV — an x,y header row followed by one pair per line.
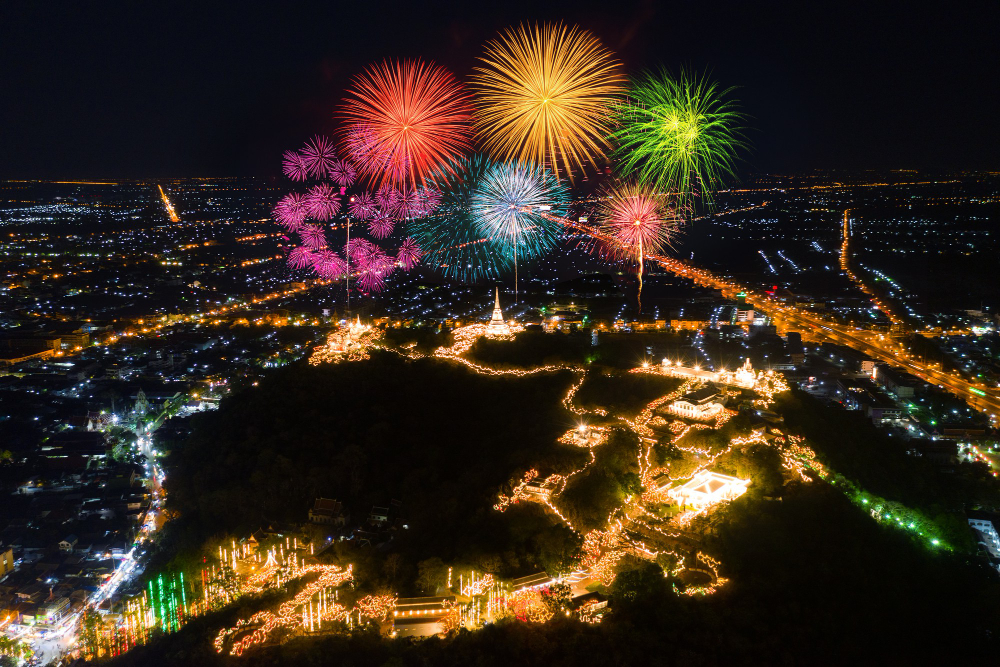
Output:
x,y
97,89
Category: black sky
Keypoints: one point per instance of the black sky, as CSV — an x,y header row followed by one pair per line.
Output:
x,y
98,89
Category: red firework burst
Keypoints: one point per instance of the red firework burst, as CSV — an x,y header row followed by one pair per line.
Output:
x,y
319,156
323,201
295,166
408,254
404,119
638,221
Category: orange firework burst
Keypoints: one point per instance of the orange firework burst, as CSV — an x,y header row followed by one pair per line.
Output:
x,y
543,96
405,119
636,221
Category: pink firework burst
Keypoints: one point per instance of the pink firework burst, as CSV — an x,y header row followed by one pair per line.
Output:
x,y
388,198
361,251
295,166
408,204
329,265
323,201
300,257
342,173
408,254
381,226
378,267
363,206
428,199
361,143
290,211
319,156
312,236
637,222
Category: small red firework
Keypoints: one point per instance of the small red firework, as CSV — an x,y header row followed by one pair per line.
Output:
x,y
323,201
300,257
295,166
408,254
404,119
377,268
319,156
312,236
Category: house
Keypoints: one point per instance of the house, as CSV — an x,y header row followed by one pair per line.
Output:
x,y
379,516
327,511
984,526
421,617
539,487
67,545
6,562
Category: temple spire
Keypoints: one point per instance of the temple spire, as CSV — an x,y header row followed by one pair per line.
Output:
x,y
497,325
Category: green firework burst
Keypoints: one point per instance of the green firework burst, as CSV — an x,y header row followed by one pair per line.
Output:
x,y
679,133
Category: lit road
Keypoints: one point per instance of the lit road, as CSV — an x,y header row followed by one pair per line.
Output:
x,y
878,347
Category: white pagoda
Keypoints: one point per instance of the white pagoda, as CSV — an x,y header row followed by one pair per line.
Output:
x,y
497,327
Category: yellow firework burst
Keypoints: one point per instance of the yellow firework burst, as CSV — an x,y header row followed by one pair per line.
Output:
x,y
543,95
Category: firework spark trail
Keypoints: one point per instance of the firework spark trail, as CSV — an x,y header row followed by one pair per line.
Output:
x,y
678,134
404,119
543,95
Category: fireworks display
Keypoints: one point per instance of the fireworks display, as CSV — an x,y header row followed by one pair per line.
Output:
x,y
514,205
678,134
450,237
543,95
637,221
404,119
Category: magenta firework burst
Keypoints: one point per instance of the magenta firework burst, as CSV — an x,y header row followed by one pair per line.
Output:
x,y
323,201
319,155
295,166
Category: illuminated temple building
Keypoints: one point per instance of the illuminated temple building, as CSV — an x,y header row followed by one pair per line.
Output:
x,y
497,327
708,488
699,405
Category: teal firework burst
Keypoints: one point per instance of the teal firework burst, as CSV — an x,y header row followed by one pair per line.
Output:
x,y
450,237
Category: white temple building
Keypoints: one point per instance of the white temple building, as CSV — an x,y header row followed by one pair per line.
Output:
x,y
497,326
700,405
708,488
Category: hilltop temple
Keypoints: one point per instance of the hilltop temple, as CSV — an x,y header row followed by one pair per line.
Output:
x,y
497,326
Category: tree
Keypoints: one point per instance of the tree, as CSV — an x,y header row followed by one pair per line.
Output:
x,y
432,574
